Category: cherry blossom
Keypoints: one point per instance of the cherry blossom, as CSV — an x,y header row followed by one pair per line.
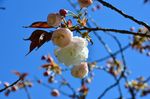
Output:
x,y
54,19
62,37
80,71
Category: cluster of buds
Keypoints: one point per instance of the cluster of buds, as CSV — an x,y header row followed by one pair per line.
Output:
x,y
51,68
141,43
22,83
114,67
138,84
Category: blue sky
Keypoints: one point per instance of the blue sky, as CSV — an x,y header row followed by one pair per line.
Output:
x,y
21,13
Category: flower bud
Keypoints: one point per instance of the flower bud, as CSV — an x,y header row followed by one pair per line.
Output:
x,y
62,37
63,12
54,19
47,73
6,84
80,71
14,88
85,3
55,92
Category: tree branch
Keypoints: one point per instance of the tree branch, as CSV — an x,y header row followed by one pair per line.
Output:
x,y
124,14
1,90
107,89
112,30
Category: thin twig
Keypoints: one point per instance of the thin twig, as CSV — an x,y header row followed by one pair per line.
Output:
x,y
124,14
114,54
107,89
1,90
27,92
69,86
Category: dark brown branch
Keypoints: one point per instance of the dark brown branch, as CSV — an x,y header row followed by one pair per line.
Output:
x,y
1,90
113,30
124,14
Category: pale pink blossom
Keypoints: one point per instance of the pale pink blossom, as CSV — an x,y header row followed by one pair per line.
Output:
x,y
62,37
54,19
74,53
85,3
80,71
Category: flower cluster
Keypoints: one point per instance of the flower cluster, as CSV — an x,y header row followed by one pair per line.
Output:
x,y
74,53
52,69
138,84
71,50
21,83
114,67
141,44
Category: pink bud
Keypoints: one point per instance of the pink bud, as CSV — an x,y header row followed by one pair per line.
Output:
x,y
14,88
55,92
132,29
47,73
63,12
62,37
85,3
54,19
80,71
